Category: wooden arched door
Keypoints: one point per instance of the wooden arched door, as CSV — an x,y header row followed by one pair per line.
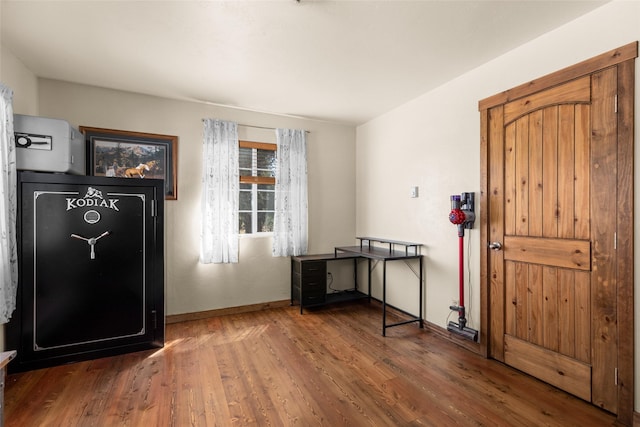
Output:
x,y
557,206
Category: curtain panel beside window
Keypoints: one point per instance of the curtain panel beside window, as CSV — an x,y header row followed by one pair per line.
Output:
x,y
290,227
8,207
220,193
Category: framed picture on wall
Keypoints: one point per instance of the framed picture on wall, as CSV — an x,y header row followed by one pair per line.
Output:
x,y
135,155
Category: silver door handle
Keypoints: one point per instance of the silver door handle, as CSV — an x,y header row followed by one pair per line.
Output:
x,y
496,246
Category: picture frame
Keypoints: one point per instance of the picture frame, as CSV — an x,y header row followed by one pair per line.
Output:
x,y
120,153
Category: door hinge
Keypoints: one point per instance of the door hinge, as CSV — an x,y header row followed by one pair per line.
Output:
x,y
615,103
616,376
615,241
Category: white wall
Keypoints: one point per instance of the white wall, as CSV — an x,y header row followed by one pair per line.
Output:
x,y
259,277
24,83
433,142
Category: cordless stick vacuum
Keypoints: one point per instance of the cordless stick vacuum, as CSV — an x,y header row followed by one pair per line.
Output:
x,y
462,215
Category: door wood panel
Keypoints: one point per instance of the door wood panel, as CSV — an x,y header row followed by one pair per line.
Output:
x,y
578,90
603,229
526,254
624,249
552,175
567,373
496,225
568,253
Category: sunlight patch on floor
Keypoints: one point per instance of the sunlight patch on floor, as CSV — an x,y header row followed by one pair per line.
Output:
x,y
190,343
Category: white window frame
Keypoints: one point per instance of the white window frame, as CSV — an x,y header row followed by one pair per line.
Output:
x,y
254,180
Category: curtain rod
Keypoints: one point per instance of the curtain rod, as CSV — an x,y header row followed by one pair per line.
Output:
x,y
259,127
256,127
263,127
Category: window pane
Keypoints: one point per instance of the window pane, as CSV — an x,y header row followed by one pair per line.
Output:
x,y
244,159
245,223
266,162
257,201
266,200
245,200
265,222
266,159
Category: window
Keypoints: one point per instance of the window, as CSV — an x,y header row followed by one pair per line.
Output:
x,y
257,164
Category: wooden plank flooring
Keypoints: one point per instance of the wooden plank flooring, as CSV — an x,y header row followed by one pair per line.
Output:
x,y
327,367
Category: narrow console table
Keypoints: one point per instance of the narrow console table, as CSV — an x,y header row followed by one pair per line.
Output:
x,y
368,249
309,275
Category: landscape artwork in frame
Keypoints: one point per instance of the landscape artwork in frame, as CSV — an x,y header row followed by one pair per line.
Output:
x,y
136,155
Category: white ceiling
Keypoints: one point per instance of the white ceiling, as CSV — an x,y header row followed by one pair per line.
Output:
x,y
344,61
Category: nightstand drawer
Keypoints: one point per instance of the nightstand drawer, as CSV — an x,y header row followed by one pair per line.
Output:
x,y
314,299
313,268
314,286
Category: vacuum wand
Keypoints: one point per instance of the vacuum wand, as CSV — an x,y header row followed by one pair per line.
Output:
x,y
463,216
462,318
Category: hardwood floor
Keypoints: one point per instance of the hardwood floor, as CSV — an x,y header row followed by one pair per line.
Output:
x,y
277,368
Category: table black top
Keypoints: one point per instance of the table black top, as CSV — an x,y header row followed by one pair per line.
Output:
x,y
367,250
375,252
325,257
370,250
389,241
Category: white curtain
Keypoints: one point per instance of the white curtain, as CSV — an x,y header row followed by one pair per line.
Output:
x,y
8,206
290,225
220,193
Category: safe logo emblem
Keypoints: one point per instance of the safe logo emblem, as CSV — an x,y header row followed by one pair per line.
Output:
x,y
94,199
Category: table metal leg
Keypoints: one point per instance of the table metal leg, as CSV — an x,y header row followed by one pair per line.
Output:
x,y
384,298
369,277
420,285
355,273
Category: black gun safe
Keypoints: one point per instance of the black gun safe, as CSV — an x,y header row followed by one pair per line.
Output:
x,y
91,268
